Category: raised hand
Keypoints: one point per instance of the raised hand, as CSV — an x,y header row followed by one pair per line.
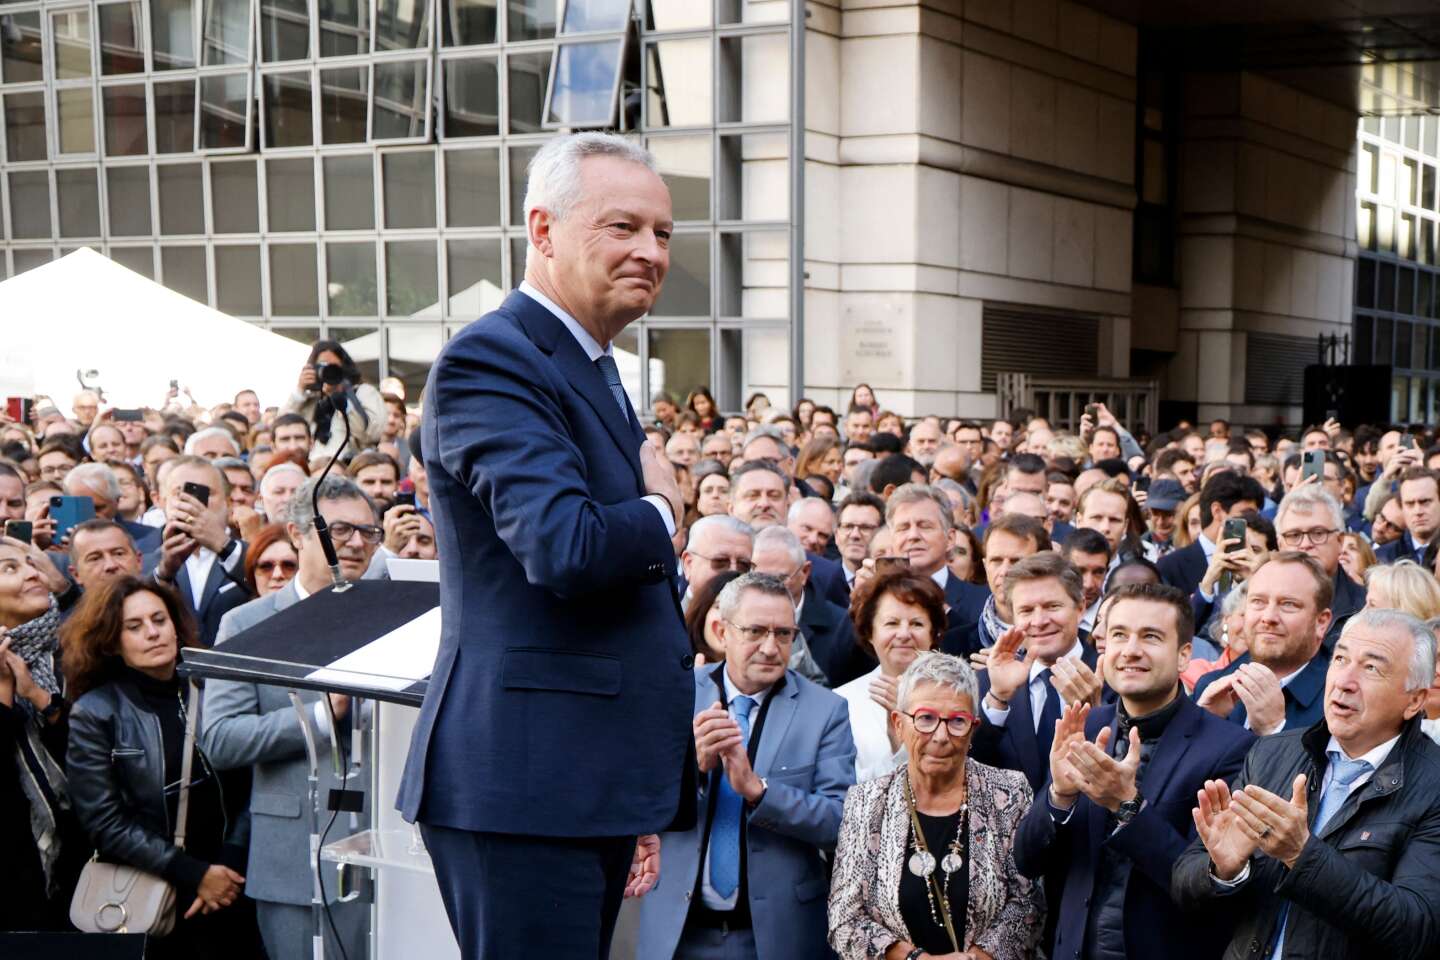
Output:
x,y
1106,781
1075,681
1279,827
1258,688
715,733
1218,824
1007,674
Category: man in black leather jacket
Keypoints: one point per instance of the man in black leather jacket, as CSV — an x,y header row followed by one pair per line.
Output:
x,y
1329,847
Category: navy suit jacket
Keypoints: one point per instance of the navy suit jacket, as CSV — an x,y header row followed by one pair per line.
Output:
x,y
221,593
146,537
1018,745
1196,746
828,577
1304,696
1184,568
831,637
963,634
1401,548
561,696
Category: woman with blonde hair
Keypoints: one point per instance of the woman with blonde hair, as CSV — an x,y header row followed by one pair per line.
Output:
x,y
1403,585
1187,521
1356,555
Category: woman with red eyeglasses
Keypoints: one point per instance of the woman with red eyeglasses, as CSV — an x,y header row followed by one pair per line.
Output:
x,y
271,560
923,866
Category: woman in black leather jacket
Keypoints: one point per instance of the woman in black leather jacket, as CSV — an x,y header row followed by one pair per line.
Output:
x,y
127,731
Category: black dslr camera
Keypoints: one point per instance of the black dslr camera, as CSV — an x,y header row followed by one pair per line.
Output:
x,y
331,374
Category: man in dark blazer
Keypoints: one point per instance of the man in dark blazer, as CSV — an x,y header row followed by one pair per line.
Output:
x,y
1226,495
556,725
1419,495
1035,667
1278,684
978,615
197,556
1115,814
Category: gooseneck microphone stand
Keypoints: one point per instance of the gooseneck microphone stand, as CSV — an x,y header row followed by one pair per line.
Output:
x,y
337,403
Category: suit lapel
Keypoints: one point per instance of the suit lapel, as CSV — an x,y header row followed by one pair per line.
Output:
x,y
213,581
777,725
1024,735
548,333
1174,742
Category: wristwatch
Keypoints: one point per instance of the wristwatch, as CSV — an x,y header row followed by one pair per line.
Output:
x,y
1127,810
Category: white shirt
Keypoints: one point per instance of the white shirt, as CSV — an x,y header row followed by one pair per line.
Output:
x,y
594,351
869,725
708,894
1431,729
941,576
1036,689
197,568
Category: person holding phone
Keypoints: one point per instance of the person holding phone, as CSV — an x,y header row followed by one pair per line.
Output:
x,y
197,554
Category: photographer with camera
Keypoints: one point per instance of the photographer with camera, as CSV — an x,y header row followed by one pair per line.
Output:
x,y
329,372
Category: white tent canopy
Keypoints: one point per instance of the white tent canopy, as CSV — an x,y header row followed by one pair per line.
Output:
x,y
84,312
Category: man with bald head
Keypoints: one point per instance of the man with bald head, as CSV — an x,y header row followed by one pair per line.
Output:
x,y
716,544
813,521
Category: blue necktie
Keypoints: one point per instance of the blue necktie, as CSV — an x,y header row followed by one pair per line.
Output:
x,y
1345,773
611,372
1051,711
729,806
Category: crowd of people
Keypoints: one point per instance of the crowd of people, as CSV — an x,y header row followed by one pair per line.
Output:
x,y
962,690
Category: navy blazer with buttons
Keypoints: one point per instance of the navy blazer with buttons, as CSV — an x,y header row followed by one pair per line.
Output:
x,y
1196,746
1304,696
1184,568
561,696
1018,745
829,579
1401,548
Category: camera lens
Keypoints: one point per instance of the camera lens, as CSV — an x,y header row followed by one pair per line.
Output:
x,y
330,373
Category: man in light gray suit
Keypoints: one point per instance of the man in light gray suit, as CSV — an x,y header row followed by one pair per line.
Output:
x,y
249,724
776,757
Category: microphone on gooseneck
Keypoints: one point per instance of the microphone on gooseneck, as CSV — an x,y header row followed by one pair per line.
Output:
x,y
327,407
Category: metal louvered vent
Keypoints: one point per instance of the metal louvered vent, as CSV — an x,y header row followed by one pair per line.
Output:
x,y
1275,367
1044,344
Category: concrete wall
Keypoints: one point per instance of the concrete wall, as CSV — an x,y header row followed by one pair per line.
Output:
x,y
1266,233
976,151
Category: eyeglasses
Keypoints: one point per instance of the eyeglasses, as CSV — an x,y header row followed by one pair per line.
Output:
x,y
340,531
866,528
720,564
957,724
757,634
1319,536
270,566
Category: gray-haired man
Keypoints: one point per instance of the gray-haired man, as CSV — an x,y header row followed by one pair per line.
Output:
x,y
247,724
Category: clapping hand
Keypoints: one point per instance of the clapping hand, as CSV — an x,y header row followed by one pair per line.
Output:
x,y
715,733
1279,827
1065,780
1258,688
1218,824
1220,697
1106,781
1073,679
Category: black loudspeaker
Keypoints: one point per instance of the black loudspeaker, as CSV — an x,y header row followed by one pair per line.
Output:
x,y
54,946
1351,394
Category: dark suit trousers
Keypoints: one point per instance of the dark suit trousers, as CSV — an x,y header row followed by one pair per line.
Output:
x,y
512,896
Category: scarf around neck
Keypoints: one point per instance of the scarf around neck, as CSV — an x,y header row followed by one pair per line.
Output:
x,y
36,642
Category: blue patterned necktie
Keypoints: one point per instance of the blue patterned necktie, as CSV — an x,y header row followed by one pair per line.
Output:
x,y
1346,772
611,372
729,806
1051,711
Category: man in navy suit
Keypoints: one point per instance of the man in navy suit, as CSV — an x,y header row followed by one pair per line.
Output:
x,y
1278,684
1035,667
1226,495
1115,815
555,729
197,556
1420,504
980,615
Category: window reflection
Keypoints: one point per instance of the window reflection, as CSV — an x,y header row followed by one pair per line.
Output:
x,y
237,280
175,117
124,111
678,83
224,116
284,30
344,27
473,267
25,126
71,32
75,119
287,110
468,22
184,271
77,194
182,199
676,14
529,72
402,24
685,164
120,40
349,192
21,52
472,188
234,194
679,360
290,190
401,101
686,292
350,279
343,96
583,93
293,281
227,32
128,195
593,15
531,19
412,285
172,25
409,189
472,98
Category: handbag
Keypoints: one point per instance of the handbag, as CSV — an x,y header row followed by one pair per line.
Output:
x,y
116,898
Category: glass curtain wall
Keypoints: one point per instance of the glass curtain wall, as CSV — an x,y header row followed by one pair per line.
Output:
x,y
1397,289
356,168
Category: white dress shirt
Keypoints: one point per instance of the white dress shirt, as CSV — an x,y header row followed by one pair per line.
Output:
x,y
1036,688
594,351
708,894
